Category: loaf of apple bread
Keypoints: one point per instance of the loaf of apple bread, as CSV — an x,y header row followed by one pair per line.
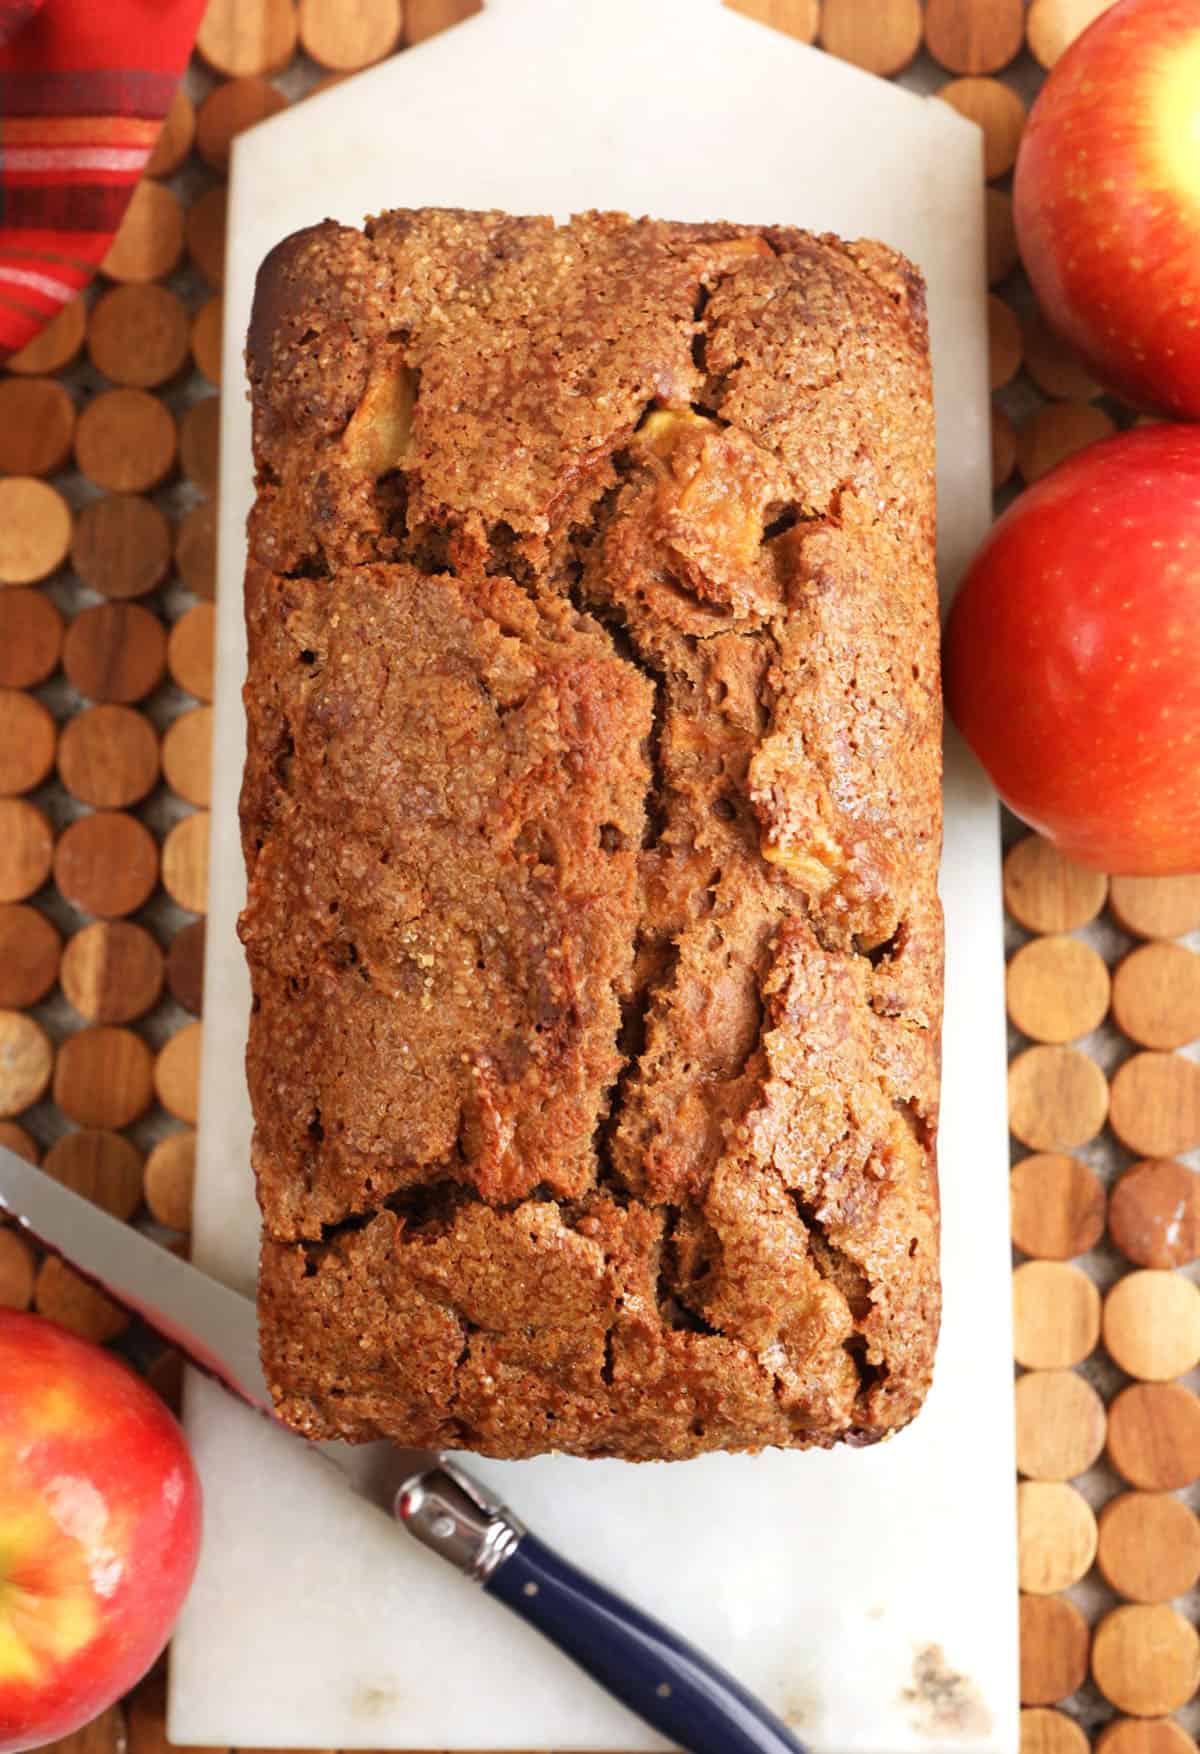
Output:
x,y
592,817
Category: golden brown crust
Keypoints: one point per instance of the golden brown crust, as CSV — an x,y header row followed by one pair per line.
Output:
x,y
592,816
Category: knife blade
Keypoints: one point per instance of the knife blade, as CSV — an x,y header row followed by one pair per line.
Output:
x,y
666,1681
214,1327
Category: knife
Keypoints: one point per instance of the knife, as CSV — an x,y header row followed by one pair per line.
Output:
x,y
653,1671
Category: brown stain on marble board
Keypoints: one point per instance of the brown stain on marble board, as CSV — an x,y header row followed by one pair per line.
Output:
x,y
941,1701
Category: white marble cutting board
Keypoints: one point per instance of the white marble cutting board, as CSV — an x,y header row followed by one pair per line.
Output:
x,y
849,1589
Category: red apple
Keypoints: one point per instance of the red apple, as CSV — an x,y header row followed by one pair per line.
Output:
x,y
1107,201
99,1529
1072,653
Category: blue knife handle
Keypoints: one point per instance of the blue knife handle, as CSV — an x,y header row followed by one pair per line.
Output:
x,y
661,1677
656,1673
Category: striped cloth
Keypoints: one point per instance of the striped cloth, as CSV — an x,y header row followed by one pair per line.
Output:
x,y
84,85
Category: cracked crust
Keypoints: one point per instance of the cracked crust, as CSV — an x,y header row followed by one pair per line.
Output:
x,y
591,816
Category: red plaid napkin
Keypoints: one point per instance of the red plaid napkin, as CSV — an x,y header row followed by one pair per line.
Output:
x,y
84,85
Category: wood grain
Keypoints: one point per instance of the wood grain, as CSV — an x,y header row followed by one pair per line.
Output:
x,y
169,1179
1056,1315
103,1077
1047,892
1155,1106
1055,433
795,18
1154,1214
112,971
177,1074
1045,1731
883,38
18,1269
1154,1436
31,637
115,653
1146,1659
237,37
174,137
108,757
26,849
1149,1546
196,550
206,339
1057,989
69,1300
54,347
1151,1324
149,239
18,1140
1060,1424
122,546
1004,342
1004,447
165,1376
30,949
139,335
199,436
185,863
1156,907
1156,995
1057,1206
37,424
1054,1649
980,37
228,110
345,35
101,1166
190,650
185,967
1057,1098
427,18
35,530
187,755
998,112
1000,234
205,233
1131,1735
1056,1536
28,736
1051,364
26,1062
105,864
1051,26
126,441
